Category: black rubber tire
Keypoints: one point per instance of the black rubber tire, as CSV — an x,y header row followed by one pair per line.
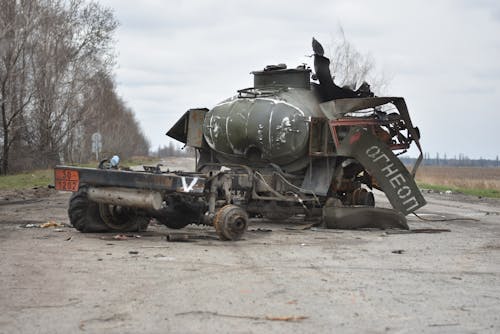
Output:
x,y
85,216
362,196
180,212
122,220
174,222
231,222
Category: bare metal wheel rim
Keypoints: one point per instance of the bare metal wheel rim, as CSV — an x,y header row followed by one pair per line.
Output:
x,y
231,222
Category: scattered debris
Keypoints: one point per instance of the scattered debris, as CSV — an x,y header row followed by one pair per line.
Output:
x,y
304,227
443,325
431,230
51,223
444,219
122,237
289,318
31,226
293,318
322,230
177,237
419,230
164,258
260,230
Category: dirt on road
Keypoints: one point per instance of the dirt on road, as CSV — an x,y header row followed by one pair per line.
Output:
x,y
278,279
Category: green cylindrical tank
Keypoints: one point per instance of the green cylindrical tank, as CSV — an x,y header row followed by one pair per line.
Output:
x,y
268,123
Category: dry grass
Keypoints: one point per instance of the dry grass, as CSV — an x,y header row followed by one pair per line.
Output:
x,y
472,180
460,177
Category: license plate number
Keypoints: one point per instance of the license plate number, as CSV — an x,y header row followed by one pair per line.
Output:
x,y
67,180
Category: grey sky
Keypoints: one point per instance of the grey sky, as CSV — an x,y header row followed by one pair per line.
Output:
x,y
443,57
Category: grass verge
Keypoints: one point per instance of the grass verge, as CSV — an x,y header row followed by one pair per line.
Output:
x,y
491,193
42,178
37,178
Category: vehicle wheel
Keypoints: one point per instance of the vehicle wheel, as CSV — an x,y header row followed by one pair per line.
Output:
x,y
122,219
91,217
362,196
180,212
231,222
84,214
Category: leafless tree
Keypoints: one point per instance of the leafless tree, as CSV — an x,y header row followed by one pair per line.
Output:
x,y
56,87
18,19
108,114
351,68
72,41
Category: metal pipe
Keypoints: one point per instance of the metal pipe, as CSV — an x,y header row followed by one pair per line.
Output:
x,y
143,199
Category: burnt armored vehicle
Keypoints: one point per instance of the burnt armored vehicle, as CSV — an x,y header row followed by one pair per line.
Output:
x,y
287,146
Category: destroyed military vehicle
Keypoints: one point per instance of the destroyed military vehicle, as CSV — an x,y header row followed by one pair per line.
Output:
x,y
288,146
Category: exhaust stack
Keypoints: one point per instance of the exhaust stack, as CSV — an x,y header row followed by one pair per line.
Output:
x,y
135,198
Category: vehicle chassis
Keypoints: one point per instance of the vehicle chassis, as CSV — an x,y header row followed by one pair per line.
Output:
x,y
222,196
225,194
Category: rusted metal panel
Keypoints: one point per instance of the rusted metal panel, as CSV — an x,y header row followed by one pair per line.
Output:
x,y
136,198
319,176
189,183
338,108
189,128
66,180
390,173
195,127
363,217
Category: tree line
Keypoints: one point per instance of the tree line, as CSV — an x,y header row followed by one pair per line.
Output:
x,y
461,161
173,150
57,86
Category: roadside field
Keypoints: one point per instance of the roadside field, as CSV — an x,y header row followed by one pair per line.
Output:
x,y
470,180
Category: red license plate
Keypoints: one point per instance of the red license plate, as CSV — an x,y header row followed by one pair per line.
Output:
x,y
67,179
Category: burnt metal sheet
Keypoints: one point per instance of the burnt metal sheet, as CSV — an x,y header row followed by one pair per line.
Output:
x,y
182,132
193,184
405,116
350,218
195,127
390,173
179,130
338,108
318,176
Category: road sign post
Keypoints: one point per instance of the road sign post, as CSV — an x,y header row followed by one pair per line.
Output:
x,y
96,144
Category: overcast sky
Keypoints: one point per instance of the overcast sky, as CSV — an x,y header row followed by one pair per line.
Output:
x,y
443,58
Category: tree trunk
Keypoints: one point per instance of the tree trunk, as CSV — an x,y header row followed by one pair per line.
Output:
x,y
5,148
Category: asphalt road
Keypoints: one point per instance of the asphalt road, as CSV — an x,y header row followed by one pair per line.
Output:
x,y
279,279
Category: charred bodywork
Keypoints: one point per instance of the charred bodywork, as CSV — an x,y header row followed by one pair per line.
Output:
x,y
286,146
